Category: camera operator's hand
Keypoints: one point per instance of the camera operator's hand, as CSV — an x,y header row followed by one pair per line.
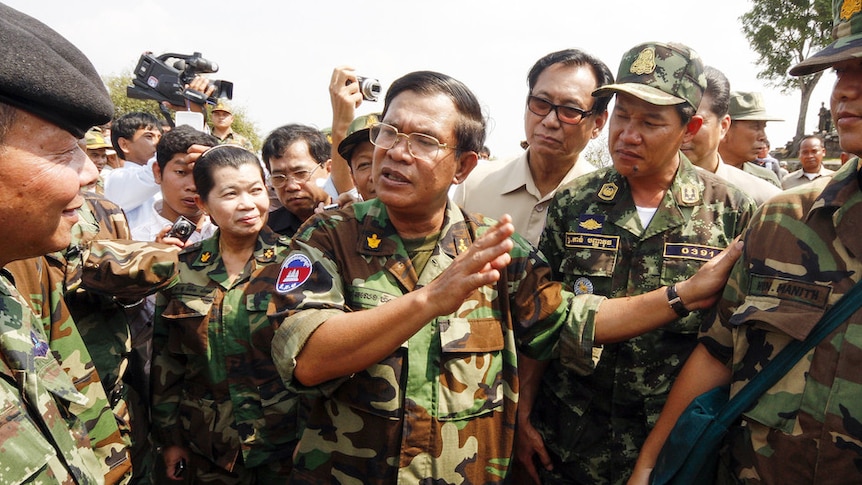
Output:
x,y
199,84
162,237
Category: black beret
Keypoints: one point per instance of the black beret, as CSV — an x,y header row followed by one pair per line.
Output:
x,y
44,74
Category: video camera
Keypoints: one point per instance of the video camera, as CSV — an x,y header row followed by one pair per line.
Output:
x,y
164,77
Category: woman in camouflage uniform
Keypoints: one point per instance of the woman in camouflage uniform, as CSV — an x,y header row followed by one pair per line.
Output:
x,y
218,402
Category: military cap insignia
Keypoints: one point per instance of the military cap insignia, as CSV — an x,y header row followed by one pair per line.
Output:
x,y
608,191
462,246
583,286
689,194
645,63
849,8
295,270
372,242
205,256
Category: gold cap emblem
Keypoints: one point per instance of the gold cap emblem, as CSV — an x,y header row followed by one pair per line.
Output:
x,y
608,191
373,241
645,63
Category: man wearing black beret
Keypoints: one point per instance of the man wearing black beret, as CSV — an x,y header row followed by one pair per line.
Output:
x,y
50,94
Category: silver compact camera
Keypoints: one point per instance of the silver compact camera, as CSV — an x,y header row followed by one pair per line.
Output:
x,y
370,88
182,229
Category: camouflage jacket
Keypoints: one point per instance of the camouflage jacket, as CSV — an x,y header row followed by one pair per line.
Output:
x,y
442,407
215,388
594,241
43,439
801,255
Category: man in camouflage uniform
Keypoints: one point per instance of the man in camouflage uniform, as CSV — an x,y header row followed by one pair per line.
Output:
x,y
50,94
401,315
801,255
650,220
53,285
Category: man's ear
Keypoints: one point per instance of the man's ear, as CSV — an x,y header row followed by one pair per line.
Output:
x,y
124,145
692,128
600,121
466,163
157,173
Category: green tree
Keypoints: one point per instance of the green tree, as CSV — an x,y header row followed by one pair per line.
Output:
x,y
783,33
124,104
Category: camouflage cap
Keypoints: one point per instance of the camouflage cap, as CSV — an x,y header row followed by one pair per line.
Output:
x,y
745,106
661,74
847,32
357,132
95,139
222,105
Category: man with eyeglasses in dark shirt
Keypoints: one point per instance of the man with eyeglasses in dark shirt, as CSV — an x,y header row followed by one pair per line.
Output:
x,y
560,117
297,157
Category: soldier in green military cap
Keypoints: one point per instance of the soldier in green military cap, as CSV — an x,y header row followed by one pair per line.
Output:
x,y
802,253
648,222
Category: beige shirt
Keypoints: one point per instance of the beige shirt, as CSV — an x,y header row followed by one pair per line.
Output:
x,y
498,188
755,187
797,178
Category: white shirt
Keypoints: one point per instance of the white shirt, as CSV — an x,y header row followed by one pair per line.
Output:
x,y
150,222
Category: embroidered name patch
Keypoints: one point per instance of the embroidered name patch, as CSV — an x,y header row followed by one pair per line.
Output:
x,y
690,251
800,291
592,241
295,270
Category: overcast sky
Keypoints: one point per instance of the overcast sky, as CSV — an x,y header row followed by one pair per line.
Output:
x,y
280,55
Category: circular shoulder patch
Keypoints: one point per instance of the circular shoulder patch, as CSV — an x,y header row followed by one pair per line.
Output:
x,y
583,286
295,270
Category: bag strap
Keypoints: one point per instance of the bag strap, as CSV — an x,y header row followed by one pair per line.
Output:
x,y
787,358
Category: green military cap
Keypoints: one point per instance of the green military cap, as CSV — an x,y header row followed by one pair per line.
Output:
x,y
847,32
357,132
95,139
42,73
222,105
660,74
749,106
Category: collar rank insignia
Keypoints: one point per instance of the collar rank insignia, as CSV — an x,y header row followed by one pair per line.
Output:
x,y
689,194
205,257
849,8
268,253
645,63
608,191
372,242
462,246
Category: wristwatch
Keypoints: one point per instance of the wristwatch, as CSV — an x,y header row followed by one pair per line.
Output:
x,y
675,302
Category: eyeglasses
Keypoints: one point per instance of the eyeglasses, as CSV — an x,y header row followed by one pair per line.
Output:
x,y
566,114
419,145
279,180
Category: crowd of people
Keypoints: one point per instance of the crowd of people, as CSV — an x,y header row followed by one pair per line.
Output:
x,y
346,308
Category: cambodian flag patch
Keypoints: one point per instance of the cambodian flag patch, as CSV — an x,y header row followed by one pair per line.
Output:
x,y
294,272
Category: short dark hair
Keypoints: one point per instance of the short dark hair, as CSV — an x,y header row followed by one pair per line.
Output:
x,y
806,137
686,112
125,127
470,127
283,137
221,156
178,140
718,89
575,57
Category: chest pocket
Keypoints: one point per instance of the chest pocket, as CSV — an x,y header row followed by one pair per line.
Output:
x,y
187,317
589,271
767,332
24,446
472,379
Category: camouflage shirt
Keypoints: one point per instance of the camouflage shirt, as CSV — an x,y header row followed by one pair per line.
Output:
x,y
595,242
441,408
43,440
801,255
215,388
